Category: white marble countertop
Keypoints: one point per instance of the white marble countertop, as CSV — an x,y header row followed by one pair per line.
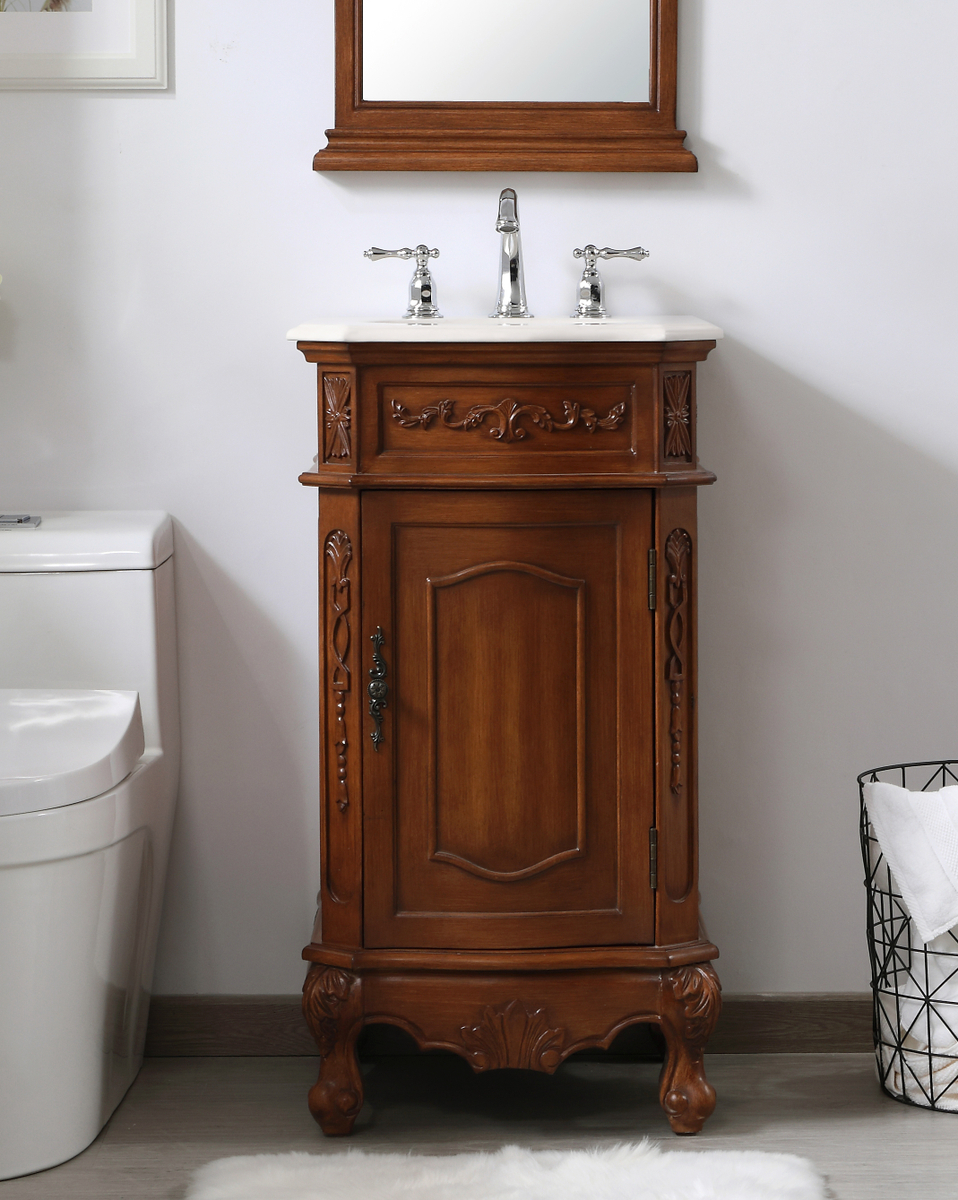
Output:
x,y
490,329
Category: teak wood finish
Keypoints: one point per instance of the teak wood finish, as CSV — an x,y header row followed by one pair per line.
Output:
x,y
429,136
507,681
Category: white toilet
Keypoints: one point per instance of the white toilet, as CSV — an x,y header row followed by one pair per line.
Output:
x,y
89,755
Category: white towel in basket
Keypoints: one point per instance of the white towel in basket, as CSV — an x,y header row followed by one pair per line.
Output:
x,y
918,835
922,1018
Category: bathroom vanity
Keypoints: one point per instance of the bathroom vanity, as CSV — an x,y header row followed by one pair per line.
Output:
x,y
507,544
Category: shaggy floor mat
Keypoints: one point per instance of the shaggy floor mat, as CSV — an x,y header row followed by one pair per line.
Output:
x,y
631,1172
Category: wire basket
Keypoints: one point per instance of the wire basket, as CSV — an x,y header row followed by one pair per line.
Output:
x,y
914,986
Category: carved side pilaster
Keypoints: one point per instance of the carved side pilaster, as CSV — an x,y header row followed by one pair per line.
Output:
x,y
509,1035
338,554
332,1006
678,557
692,1000
337,417
677,413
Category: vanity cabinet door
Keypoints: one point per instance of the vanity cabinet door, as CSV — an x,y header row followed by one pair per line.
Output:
x,y
509,802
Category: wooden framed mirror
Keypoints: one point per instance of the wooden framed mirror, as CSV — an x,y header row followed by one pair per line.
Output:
x,y
533,85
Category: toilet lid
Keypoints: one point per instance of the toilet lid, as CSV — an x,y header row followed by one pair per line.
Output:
x,y
58,746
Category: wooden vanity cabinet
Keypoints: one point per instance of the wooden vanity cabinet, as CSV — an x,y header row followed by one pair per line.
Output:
x,y
507,682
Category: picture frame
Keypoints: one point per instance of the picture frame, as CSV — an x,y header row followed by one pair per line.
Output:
x,y
114,45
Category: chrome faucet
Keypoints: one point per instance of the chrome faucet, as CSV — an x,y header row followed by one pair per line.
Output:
x,y
512,286
591,303
422,290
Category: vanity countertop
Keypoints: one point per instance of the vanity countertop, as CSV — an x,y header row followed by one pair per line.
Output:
x,y
490,329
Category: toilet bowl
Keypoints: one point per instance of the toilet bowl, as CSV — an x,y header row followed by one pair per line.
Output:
x,y
89,745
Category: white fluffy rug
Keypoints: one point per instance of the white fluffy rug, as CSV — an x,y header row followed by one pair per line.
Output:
x,y
640,1172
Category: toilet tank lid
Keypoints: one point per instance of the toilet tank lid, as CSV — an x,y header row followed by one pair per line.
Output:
x,y
62,745
88,541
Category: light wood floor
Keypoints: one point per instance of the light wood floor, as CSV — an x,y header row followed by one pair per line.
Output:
x,y
183,1112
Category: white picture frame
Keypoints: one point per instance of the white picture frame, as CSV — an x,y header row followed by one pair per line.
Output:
x,y
120,44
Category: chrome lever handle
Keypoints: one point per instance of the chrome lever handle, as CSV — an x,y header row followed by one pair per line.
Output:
x,y
607,252
422,290
590,285
375,254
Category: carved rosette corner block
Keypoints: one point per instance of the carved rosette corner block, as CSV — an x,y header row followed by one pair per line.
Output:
x,y
338,554
510,1035
678,557
337,417
332,1006
677,401
692,1001
506,415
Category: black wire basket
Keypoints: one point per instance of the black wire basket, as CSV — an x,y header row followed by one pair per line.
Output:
x,y
914,986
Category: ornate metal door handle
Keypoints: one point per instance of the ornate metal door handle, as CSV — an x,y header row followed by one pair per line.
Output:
x,y
378,689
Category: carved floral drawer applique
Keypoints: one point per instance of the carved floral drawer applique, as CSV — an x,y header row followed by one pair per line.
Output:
x,y
506,415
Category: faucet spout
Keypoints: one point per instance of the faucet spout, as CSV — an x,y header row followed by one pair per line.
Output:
x,y
512,287
508,220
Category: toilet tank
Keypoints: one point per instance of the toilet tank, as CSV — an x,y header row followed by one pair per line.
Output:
x,y
86,601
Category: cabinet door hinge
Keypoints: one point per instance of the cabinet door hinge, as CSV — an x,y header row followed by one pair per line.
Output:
x,y
652,579
653,858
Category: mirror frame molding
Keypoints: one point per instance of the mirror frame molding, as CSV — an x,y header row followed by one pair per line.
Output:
x,y
388,135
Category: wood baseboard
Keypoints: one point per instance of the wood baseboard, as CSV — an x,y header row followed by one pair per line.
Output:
x,y
227,1026
794,1023
265,1026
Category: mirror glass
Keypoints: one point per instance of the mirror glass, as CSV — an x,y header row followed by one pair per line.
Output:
x,y
546,51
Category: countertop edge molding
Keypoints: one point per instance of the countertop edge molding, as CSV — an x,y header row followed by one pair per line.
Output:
x,y
488,330
648,479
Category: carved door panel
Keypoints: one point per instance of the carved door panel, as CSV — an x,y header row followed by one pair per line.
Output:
x,y
509,800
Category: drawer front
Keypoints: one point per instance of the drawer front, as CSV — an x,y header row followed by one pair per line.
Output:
x,y
557,421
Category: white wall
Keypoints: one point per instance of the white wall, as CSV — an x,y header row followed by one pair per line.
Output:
x,y
155,248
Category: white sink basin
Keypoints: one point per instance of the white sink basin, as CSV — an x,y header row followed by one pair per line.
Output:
x,y
489,329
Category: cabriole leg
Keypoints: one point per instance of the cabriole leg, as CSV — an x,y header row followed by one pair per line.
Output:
x,y
691,1002
332,1005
